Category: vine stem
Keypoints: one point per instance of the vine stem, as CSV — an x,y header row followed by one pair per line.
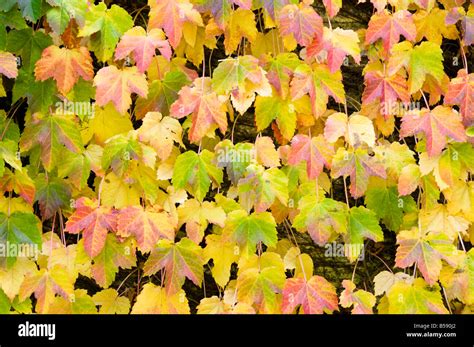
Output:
x,y
290,228
345,191
388,267
447,301
100,190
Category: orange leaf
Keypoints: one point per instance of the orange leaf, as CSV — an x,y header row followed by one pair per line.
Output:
x,y
65,66
117,86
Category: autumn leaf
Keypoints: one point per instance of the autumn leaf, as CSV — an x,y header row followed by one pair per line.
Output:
x,y
337,43
171,15
111,303
178,260
161,133
242,78
314,296
261,188
436,124
223,252
332,7
197,171
46,284
197,216
147,226
318,81
115,85
12,277
113,255
359,166
162,93
51,133
105,27
323,219
301,22
389,28
248,230
280,69
265,152
415,298
424,63
426,250
155,300
143,45
356,129
259,280
361,300
388,89
461,92
8,65
315,151
241,24
207,108
94,221
52,193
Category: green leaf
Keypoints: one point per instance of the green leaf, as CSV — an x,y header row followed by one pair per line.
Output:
x,y
18,229
426,59
8,150
259,280
324,219
196,171
248,230
50,133
29,45
363,223
118,153
415,298
387,205
108,25
63,11
32,9
52,193
7,5
40,95
268,108
114,255
234,158
260,188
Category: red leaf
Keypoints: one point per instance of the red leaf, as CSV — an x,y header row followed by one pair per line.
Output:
x,y
389,27
143,45
146,226
207,108
461,92
315,296
315,151
436,125
117,86
302,22
94,221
